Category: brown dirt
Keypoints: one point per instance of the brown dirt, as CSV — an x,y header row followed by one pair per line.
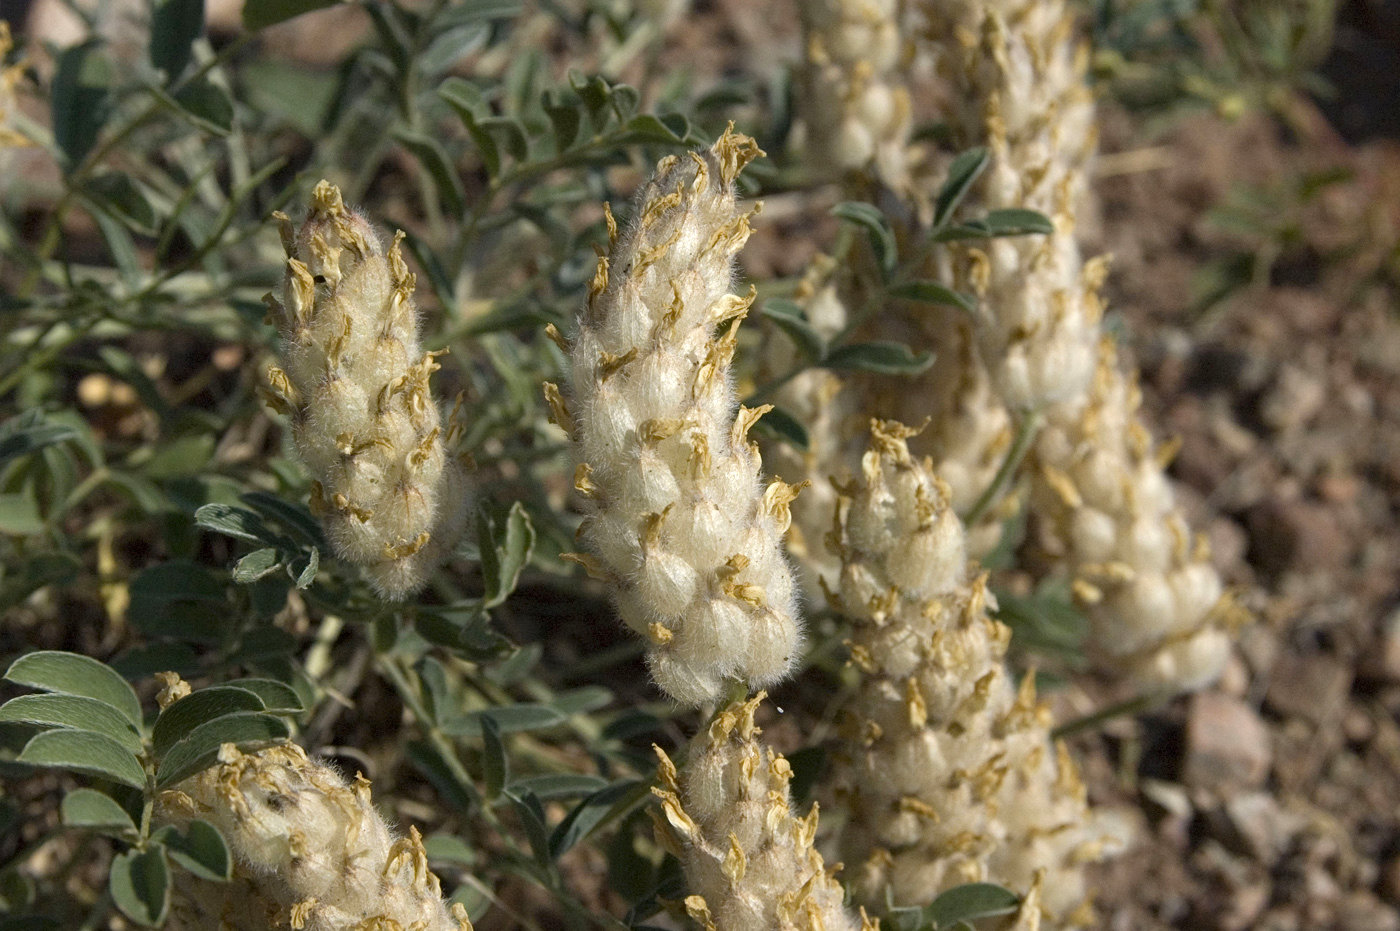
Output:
x,y
1286,398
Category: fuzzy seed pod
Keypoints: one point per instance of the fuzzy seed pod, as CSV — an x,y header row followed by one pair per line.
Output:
x,y
748,860
1158,611
310,850
354,381
946,769
679,524
854,105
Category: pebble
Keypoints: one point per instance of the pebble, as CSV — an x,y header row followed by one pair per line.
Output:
x,y
1313,687
1295,398
1253,823
1288,534
1390,880
1227,745
1362,911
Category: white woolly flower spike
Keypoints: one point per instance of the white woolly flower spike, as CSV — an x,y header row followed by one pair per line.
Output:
x,y
1158,612
748,860
946,768
310,851
679,524
354,381
853,103
1017,71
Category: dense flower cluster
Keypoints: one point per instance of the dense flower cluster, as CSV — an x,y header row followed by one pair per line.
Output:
x,y
354,381
1159,613
855,106
947,771
311,852
749,861
679,524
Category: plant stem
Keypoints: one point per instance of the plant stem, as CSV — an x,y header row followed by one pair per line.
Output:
x,y
1025,435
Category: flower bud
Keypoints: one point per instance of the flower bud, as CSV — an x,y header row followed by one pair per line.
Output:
x,y
946,769
680,525
354,381
749,861
310,850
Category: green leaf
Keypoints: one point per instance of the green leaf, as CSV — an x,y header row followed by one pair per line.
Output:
x,y
581,700
433,158
961,174
883,358
307,575
789,317
74,674
780,424
969,902
873,221
140,885
295,518
931,292
84,752
238,522
558,785
1015,221
587,814
117,194
257,564
259,14
98,811
504,552
75,712
206,104
276,696
508,135
177,720
81,100
594,92
180,599
448,848
22,435
495,767
199,748
562,108
646,128
471,109
624,99
175,24
531,814
200,848
527,716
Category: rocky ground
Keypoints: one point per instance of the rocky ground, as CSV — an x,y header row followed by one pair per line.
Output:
x,y
1269,802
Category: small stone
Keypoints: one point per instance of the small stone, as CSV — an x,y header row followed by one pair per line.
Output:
x,y
1362,911
1253,823
1245,906
1390,880
1227,745
1314,687
1296,534
1168,796
1295,398
1389,652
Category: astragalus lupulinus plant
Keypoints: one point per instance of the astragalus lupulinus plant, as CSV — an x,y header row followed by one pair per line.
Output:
x,y
679,524
354,381
946,769
310,850
1106,513
855,107
750,863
